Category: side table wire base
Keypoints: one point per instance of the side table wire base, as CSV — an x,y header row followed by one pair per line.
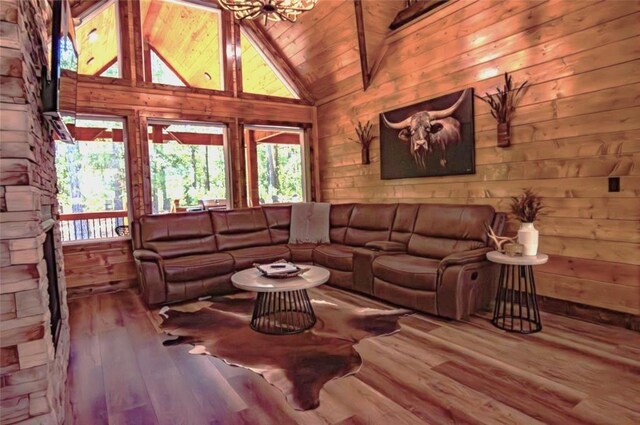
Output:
x,y
516,308
283,312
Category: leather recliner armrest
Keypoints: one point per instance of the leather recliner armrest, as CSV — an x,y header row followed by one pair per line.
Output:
x,y
465,257
387,246
146,255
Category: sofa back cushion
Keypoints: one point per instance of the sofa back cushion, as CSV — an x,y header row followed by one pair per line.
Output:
x,y
338,221
279,221
403,223
175,235
370,222
241,228
441,230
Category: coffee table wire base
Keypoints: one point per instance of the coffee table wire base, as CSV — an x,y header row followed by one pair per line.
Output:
x,y
283,313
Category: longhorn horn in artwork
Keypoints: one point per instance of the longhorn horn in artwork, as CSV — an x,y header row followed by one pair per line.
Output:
x,y
436,115
397,125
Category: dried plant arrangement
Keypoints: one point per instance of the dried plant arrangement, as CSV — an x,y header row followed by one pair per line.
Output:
x,y
526,207
364,139
502,105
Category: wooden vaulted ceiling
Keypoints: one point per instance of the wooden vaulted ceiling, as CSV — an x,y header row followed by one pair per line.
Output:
x,y
324,41
319,45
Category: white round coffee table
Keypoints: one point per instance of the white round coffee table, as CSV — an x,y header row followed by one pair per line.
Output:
x,y
282,306
516,307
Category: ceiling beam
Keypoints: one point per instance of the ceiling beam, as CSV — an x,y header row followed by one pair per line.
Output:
x,y
277,57
362,45
90,134
414,11
282,138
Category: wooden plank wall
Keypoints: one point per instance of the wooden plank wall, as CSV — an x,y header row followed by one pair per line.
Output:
x,y
578,124
99,265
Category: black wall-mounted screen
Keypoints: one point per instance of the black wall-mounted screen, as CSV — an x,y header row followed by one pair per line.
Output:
x,y
63,58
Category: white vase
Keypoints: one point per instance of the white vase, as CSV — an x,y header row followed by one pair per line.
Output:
x,y
528,237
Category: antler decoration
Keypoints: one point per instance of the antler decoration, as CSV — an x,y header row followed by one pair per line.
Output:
x,y
498,240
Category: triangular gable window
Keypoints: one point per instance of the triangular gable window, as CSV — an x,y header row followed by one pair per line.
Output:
x,y
113,71
162,73
259,75
97,38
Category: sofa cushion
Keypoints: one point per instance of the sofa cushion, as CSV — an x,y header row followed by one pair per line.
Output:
x,y
279,220
193,267
369,222
235,229
334,256
302,252
338,221
175,235
246,257
407,270
441,230
216,285
404,222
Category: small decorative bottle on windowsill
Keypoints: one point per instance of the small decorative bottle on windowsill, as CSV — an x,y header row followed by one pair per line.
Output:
x,y
526,208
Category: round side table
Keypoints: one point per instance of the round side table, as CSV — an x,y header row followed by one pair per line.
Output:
x,y
516,308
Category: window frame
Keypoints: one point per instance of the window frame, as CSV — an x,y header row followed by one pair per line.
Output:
x,y
305,157
127,170
226,146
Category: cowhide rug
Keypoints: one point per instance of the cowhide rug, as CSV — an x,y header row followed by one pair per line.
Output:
x,y
298,365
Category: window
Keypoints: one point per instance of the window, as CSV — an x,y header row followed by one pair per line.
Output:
x,y
92,180
188,166
182,44
276,167
162,73
259,75
98,41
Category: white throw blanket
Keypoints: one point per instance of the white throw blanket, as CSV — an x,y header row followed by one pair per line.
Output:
x,y
310,223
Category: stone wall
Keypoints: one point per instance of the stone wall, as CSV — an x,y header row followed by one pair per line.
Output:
x,y
32,372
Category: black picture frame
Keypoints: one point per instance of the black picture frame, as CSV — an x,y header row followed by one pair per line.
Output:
x,y
458,156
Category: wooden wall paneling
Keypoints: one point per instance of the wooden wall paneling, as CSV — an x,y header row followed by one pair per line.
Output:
x,y
237,56
99,263
127,46
135,189
253,195
229,52
576,125
138,62
238,175
106,97
143,168
146,58
311,135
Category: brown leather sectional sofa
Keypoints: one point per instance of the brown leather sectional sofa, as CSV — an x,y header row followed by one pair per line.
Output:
x,y
428,257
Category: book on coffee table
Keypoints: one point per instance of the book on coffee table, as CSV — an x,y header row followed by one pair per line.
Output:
x,y
278,269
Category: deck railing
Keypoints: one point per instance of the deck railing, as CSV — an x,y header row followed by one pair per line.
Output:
x,y
91,225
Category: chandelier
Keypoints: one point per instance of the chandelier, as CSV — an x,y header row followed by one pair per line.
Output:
x,y
271,10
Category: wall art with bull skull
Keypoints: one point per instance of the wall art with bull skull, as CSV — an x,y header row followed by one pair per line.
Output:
x,y
430,138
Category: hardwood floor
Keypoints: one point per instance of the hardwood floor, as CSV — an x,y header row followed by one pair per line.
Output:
x,y
432,371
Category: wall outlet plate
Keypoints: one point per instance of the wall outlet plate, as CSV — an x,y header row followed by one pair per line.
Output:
x,y
614,184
